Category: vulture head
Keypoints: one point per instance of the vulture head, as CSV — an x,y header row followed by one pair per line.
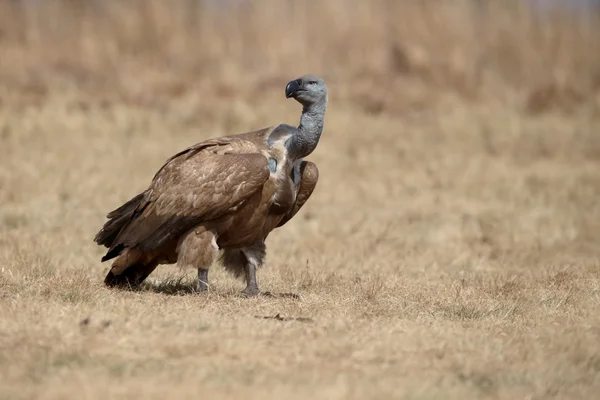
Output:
x,y
307,90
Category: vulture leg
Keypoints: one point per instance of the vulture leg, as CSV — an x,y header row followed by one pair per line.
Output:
x,y
202,284
255,256
244,262
198,249
251,284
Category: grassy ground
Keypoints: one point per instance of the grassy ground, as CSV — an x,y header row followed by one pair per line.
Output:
x,y
449,251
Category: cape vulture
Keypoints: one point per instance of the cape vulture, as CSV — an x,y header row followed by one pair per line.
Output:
x,y
225,193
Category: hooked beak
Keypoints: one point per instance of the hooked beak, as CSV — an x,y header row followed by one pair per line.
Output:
x,y
293,88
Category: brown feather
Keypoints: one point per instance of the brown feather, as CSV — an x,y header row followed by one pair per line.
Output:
x,y
222,188
235,261
309,175
132,276
117,219
198,185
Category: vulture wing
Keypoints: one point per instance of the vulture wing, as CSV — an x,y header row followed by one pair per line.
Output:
x,y
309,176
201,183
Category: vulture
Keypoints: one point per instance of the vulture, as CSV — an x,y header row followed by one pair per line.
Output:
x,y
219,198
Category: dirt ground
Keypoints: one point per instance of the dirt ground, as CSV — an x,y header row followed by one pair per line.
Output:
x,y
449,251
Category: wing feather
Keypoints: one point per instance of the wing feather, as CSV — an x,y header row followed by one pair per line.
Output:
x,y
198,184
309,175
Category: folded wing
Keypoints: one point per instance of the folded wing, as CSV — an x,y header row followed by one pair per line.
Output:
x,y
309,176
198,184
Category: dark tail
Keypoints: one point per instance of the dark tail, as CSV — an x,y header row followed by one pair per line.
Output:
x,y
133,276
117,220
234,262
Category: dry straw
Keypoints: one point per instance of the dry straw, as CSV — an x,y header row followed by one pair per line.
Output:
x,y
470,48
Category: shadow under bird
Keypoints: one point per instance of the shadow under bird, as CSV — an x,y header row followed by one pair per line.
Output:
x,y
223,195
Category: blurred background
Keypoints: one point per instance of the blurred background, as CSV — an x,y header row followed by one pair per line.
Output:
x,y
440,111
485,109
382,55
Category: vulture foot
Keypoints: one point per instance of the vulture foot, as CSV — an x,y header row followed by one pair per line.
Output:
x,y
251,284
202,284
251,291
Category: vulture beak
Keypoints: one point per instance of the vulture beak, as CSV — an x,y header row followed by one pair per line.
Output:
x,y
292,88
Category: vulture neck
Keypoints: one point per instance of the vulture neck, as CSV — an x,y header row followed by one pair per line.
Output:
x,y
306,139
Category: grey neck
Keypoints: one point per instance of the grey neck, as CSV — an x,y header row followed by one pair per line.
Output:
x,y
305,141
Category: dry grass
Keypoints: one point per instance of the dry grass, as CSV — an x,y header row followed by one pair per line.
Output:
x,y
449,251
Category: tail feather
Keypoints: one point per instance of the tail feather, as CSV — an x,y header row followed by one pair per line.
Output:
x,y
113,252
133,276
234,261
117,220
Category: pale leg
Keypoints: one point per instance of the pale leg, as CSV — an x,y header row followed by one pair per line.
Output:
x,y
255,256
251,284
198,249
202,284
243,262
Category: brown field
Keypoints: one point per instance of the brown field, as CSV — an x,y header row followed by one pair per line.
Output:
x,y
451,249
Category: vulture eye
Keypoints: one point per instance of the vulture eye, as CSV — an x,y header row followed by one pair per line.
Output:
x,y
312,82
